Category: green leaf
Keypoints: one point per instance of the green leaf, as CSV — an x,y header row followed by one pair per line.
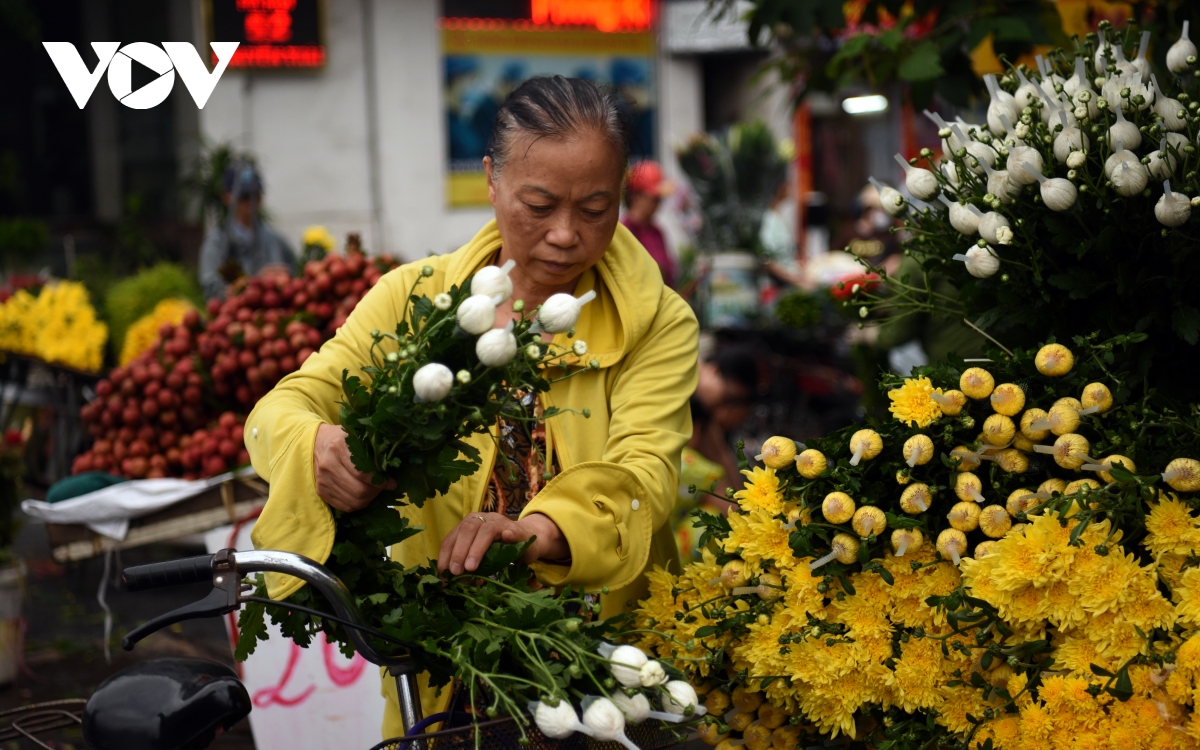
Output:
x,y
500,556
922,64
1100,671
891,39
1185,321
1010,29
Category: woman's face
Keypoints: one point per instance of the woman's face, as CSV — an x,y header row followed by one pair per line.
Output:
x,y
557,201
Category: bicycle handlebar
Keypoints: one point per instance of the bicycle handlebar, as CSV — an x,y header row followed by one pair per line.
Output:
x,y
170,573
226,570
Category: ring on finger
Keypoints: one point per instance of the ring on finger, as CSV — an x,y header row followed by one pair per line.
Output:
x,y
481,519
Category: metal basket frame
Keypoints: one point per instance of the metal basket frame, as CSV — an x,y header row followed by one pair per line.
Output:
x,y
27,722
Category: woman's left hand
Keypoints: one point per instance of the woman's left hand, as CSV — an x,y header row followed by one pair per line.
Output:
x,y
463,548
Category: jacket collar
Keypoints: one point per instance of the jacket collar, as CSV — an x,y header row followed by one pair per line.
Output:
x,y
628,286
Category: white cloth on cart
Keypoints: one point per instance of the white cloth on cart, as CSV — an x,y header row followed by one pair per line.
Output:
x,y
108,511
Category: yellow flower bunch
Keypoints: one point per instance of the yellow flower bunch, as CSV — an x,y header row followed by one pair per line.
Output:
x,y
318,236
17,333
58,326
142,334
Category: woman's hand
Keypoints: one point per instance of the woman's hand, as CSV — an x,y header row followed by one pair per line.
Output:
x,y
338,483
464,547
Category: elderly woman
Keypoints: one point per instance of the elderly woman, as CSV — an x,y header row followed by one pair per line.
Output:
x,y
554,171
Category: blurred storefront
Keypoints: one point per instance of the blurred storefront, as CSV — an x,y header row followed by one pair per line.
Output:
x,y
363,115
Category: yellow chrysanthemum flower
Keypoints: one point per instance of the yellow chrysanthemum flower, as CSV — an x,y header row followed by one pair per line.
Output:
x,y
912,404
1188,594
762,491
760,536
1171,527
318,236
142,334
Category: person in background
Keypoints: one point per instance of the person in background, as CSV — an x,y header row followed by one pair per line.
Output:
x,y
778,241
727,385
644,190
244,244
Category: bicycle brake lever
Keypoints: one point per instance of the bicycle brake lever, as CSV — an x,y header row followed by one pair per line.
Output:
x,y
221,600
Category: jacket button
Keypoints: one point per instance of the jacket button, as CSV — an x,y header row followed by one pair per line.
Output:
x,y
635,504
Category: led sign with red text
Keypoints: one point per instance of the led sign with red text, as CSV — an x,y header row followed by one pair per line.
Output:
x,y
271,33
602,15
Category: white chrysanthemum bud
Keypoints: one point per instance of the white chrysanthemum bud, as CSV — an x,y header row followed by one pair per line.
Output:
x,y
494,281
496,348
627,662
1026,93
989,223
463,376
1140,63
981,262
999,185
533,351
559,313
920,182
1167,108
950,172
1180,51
1163,161
1076,160
556,722
1129,178
604,719
889,198
1079,81
1119,155
432,382
442,301
652,674
636,707
983,155
1004,235
1059,194
1172,209
1020,157
1124,131
580,348
680,698
1003,106
1068,140
962,218
477,314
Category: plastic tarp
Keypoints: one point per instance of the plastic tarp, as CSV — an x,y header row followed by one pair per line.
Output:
x,y
109,511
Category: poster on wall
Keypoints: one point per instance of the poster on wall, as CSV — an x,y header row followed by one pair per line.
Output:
x,y
482,66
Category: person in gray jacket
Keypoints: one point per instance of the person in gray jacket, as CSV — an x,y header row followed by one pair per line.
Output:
x,y
244,245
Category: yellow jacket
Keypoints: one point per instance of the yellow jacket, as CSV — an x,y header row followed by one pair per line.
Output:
x,y
614,496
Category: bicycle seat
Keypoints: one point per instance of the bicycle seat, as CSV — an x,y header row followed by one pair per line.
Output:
x,y
164,704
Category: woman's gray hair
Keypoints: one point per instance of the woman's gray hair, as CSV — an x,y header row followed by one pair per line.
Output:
x,y
559,107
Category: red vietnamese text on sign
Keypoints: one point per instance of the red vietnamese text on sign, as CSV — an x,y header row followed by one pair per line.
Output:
x,y
605,15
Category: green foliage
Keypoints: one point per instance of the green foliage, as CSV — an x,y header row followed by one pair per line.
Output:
x,y
133,297
925,45
22,238
735,176
798,309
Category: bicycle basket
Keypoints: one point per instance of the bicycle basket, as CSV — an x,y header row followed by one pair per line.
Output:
x,y
42,721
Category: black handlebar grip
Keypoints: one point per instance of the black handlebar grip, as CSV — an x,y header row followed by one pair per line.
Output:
x,y
169,573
